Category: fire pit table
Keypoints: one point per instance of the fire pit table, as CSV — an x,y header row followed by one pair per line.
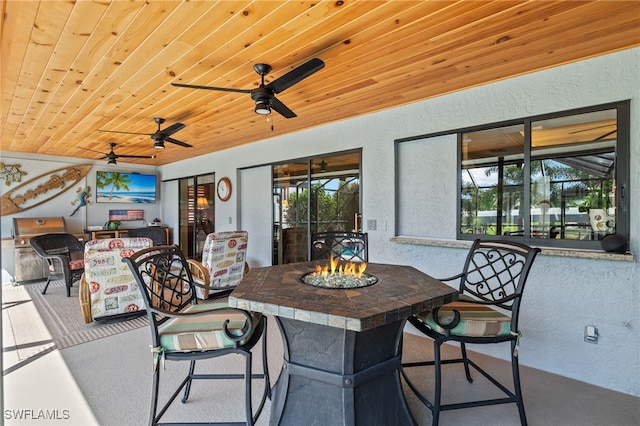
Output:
x,y
341,345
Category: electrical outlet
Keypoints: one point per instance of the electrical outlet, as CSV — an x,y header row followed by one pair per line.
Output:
x,y
591,334
371,225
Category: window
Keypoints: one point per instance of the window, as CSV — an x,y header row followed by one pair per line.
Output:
x,y
311,195
555,180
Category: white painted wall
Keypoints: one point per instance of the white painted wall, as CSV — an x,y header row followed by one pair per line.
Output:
x,y
563,294
254,215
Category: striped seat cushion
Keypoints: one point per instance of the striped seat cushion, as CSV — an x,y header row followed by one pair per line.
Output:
x,y
202,332
475,320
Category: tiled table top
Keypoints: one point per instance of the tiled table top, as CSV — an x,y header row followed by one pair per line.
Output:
x,y
399,292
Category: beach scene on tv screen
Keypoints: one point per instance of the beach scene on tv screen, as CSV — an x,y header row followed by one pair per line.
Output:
x,y
115,187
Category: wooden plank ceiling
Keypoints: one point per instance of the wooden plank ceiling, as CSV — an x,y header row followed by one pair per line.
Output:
x,y
70,68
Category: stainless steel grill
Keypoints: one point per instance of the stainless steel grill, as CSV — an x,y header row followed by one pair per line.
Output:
x,y
29,265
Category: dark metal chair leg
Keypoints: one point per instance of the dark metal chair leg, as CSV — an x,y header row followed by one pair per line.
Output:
x,y
435,408
265,373
515,367
265,363
46,285
154,396
463,348
187,387
247,387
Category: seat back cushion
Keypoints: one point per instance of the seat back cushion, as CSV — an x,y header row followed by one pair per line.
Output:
x,y
224,255
112,287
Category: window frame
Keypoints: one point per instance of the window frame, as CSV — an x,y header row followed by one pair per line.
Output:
x,y
307,180
622,154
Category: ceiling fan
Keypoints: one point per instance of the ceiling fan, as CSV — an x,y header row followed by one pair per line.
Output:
x,y
264,95
111,156
324,167
159,136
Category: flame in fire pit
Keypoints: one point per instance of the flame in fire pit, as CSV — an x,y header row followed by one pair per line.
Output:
x,y
337,275
334,266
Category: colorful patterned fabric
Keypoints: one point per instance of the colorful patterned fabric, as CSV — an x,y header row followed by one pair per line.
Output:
x,y
76,264
203,332
113,289
77,261
475,320
224,255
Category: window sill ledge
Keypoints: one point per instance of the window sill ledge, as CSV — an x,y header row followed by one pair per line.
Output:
x,y
547,251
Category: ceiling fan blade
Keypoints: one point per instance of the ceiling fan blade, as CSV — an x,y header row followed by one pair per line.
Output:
x,y
592,128
281,108
605,135
126,133
177,142
173,128
221,89
135,156
296,75
92,150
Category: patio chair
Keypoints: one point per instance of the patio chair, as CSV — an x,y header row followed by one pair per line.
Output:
x,y
64,254
223,264
108,290
347,246
183,330
157,234
490,295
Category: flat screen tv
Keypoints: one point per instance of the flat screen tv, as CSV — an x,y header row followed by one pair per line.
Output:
x,y
116,187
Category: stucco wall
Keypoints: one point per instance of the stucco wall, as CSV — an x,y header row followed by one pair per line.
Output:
x,y
563,294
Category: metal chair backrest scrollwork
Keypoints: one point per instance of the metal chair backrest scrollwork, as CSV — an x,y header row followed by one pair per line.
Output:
x,y
342,245
496,272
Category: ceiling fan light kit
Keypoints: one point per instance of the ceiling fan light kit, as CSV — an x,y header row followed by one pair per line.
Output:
x,y
262,107
264,95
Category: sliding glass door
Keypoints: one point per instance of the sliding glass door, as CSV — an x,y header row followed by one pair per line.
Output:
x,y
197,213
311,195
